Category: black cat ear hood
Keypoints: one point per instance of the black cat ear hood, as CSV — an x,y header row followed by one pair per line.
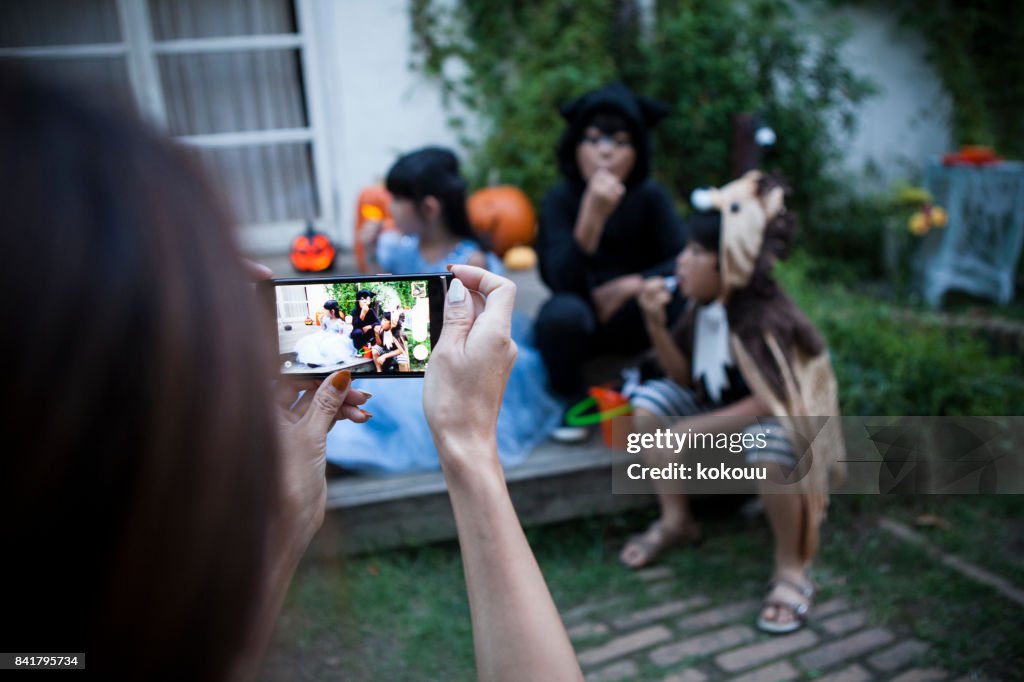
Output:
x,y
640,113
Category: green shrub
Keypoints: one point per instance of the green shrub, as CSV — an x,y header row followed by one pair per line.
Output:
x,y
888,365
710,59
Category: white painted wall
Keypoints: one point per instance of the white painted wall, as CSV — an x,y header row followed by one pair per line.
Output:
x,y
376,106
908,122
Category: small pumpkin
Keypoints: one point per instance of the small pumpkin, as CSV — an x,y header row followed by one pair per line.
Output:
x,y
520,258
372,205
504,216
312,251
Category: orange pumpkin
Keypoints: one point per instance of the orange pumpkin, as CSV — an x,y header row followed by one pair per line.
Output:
x,y
503,215
372,205
312,251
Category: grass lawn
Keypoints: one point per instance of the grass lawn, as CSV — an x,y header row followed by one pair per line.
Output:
x,y
404,615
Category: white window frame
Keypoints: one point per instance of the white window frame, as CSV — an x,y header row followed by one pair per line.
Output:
x,y
140,51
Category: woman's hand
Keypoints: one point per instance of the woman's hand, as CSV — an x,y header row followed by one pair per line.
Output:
x,y
653,299
303,424
470,364
517,632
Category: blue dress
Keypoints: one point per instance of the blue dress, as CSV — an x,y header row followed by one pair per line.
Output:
x,y
397,438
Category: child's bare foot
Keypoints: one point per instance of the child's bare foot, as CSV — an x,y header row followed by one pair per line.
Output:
x,y
644,549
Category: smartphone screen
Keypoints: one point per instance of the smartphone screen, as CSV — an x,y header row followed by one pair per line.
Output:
x,y
375,326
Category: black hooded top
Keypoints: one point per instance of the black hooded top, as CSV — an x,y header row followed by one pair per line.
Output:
x,y
642,235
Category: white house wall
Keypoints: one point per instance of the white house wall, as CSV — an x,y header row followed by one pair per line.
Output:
x,y
377,107
908,121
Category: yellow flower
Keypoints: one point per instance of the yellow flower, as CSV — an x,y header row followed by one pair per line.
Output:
x,y
939,217
918,224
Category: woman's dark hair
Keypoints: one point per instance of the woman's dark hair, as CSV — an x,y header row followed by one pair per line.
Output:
x,y
140,472
365,293
332,306
433,172
705,228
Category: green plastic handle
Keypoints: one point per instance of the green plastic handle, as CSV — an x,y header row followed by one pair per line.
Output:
x,y
575,415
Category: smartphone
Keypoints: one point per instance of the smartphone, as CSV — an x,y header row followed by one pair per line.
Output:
x,y
380,326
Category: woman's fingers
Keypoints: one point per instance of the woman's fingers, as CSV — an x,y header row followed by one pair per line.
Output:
x,y
500,298
354,398
327,401
354,414
286,391
286,394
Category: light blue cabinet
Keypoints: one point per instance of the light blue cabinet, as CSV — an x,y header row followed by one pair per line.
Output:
x,y
977,252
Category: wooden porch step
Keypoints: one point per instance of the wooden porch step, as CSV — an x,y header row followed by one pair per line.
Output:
x,y
555,483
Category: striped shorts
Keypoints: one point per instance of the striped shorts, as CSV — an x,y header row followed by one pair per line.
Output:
x,y
670,401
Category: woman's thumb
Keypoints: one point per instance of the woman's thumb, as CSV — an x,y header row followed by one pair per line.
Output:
x,y
327,401
458,314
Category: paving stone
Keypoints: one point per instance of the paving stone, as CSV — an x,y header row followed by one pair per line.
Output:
x,y
581,612
644,616
649,575
897,656
756,654
830,607
614,672
853,673
689,675
664,589
626,644
843,649
846,622
921,675
708,643
776,672
587,629
719,615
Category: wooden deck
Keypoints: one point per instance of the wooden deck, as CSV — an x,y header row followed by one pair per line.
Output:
x,y
555,483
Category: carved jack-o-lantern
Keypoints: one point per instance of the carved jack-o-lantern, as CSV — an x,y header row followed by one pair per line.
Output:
x,y
504,215
372,206
312,251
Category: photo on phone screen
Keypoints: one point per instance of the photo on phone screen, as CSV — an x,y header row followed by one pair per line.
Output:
x,y
373,326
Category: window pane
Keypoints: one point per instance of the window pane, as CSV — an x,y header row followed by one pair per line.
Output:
x,y
205,19
233,91
37,23
266,184
102,77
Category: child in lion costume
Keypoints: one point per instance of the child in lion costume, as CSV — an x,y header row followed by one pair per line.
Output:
x,y
743,350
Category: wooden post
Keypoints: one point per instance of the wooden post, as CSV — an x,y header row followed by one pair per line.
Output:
x,y
746,153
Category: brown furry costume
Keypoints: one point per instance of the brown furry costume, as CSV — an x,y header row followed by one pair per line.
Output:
x,y
780,354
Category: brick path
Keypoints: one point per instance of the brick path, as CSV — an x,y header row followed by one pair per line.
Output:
x,y
690,638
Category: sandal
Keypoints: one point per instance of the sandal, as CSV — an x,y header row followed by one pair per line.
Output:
x,y
654,541
797,608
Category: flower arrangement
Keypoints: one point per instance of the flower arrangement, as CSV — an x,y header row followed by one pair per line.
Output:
x,y
926,216
912,215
